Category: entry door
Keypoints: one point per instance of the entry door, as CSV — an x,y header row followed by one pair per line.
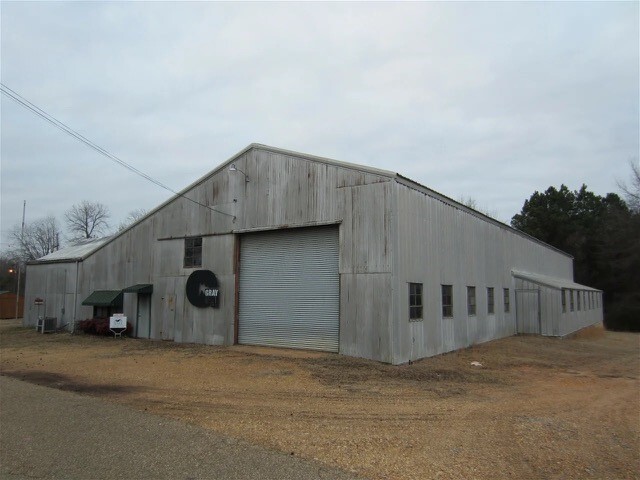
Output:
x,y
143,322
528,311
290,289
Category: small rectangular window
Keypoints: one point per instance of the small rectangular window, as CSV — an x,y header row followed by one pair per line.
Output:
x,y
490,301
563,294
578,300
471,301
507,300
447,301
571,304
415,301
102,312
192,252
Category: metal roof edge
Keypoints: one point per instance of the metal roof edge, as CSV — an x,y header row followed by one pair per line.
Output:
x,y
259,146
407,182
74,256
553,282
328,161
59,260
174,197
352,166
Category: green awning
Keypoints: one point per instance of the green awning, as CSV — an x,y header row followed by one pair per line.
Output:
x,y
104,298
140,289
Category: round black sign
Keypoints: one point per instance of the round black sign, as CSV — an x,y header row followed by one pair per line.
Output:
x,y
202,289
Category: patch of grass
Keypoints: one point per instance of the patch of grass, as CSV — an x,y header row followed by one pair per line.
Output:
x,y
590,333
140,346
340,370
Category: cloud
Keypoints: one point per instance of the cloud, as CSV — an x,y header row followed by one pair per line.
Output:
x,y
488,100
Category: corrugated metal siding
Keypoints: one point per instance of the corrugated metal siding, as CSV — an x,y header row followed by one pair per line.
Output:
x,y
366,242
437,243
365,327
572,321
290,289
284,191
55,283
390,234
553,322
528,314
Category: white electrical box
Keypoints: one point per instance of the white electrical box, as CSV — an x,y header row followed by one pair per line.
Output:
x,y
118,321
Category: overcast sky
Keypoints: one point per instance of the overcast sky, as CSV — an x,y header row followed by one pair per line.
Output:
x,y
485,100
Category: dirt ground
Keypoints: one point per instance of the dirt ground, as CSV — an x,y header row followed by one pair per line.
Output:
x,y
537,408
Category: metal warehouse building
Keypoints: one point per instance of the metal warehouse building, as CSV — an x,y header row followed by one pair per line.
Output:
x,y
288,249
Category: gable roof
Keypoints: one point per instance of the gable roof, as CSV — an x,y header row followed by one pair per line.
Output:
x,y
257,146
394,176
313,158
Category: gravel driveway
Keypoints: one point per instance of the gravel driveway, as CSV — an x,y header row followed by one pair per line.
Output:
x,y
536,408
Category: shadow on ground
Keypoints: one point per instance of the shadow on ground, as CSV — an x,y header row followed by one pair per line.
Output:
x,y
66,383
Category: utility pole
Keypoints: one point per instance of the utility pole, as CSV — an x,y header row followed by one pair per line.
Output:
x,y
24,209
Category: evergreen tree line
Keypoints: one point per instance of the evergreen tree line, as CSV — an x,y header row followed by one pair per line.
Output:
x,y
602,234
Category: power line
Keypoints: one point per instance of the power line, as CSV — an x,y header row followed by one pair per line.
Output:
x,y
68,130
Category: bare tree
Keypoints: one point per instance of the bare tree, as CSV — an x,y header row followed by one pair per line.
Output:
x,y
132,217
468,202
87,219
632,191
471,203
40,238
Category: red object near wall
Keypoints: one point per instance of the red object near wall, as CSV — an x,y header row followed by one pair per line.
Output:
x,y
8,305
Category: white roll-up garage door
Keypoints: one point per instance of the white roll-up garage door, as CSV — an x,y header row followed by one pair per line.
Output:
x,y
290,289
